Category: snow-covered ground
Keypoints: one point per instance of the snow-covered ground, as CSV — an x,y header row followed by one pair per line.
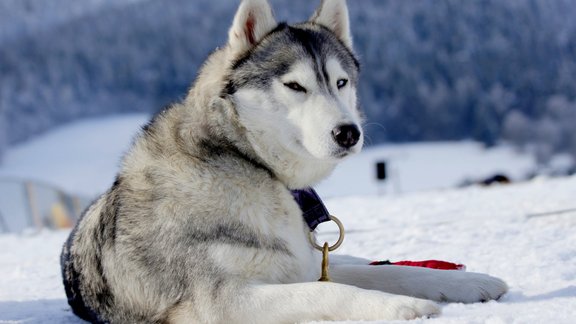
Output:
x,y
497,230
488,229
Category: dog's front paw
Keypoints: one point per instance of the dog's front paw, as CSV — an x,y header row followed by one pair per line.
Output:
x,y
483,288
469,287
374,305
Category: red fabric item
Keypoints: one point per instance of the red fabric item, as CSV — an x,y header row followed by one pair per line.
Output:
x,y
434,264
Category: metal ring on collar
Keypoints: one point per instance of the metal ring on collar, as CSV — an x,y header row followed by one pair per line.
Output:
x,y
340,238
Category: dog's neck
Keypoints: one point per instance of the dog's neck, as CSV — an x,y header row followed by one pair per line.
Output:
x,y
295,171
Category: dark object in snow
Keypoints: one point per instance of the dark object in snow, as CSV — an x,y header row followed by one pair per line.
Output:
x,y
552,213
497,178
381,173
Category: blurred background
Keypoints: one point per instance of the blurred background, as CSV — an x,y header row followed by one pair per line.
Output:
x,y
455,92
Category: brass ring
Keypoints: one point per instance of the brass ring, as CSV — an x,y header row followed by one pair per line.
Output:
x,y
340,238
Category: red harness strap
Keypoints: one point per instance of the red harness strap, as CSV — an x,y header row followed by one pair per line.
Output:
x,y
434,264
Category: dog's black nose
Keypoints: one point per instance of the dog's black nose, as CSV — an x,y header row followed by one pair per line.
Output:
x,y
346,135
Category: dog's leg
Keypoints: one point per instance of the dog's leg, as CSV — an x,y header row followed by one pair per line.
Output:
x,y
298,302
310,301
439,285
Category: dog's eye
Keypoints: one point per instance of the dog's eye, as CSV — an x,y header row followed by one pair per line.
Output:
x,y
341,83
295,86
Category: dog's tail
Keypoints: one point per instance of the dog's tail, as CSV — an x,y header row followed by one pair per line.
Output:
x,y
71,279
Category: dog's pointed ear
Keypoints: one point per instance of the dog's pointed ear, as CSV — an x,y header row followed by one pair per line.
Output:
x,y
334,15
254,19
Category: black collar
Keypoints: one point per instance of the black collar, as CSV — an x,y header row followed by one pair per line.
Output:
x,y
313,210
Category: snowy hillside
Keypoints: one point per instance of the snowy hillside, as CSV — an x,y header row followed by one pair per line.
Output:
x,y
498,230
83,158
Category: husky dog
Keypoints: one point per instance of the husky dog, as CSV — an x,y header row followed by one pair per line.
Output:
x,y
200,225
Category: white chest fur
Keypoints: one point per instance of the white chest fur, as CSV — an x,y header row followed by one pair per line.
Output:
x,y
282,253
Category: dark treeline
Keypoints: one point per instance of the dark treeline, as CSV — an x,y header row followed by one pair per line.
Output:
x,y
488,70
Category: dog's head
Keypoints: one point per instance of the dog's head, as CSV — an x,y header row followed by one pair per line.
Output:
x,y
294,86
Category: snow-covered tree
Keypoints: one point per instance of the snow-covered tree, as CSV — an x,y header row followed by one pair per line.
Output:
x,y
432,70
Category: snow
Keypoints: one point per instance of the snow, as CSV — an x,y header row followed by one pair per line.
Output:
x,y
80,158
489,229
31,288
425,166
